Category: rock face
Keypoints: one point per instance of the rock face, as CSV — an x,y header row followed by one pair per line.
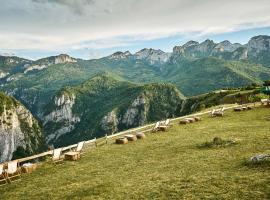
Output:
x,y
34,67
226,46
109,122
152,56
61,115
136,114
12,60
256,50
62,58
259,49
194,49
120,55
46,62
208,48
3,74
258,44
20,134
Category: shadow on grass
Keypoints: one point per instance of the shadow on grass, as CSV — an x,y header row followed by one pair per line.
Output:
x,y
217,142
263,164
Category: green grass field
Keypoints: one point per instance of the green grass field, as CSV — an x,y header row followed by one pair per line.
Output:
x,y
166,165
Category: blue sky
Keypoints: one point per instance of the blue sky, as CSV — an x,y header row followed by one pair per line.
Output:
x,y
95,28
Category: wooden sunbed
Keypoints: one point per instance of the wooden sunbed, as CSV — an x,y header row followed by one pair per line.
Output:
x,y
57,155
155,129
164,126
265,101
13,172
75,155
3,178
218,112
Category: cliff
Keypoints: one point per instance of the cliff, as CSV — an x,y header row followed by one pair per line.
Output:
x,y
20,134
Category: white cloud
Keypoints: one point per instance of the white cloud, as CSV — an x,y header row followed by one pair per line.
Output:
x,y
60,24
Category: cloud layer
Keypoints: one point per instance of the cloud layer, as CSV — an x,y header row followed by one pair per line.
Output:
x,y
62,24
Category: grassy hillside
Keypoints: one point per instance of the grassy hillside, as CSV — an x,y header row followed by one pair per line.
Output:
x,y
131,105
163,166
209,74
231,96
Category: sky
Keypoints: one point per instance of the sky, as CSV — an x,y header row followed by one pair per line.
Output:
x,y
94,28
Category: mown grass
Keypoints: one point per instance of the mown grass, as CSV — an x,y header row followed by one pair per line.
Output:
x,y
163,166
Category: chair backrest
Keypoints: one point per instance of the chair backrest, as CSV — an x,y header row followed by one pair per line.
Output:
x,y
157,125
57,154
1,169
80,146
167,122
12,167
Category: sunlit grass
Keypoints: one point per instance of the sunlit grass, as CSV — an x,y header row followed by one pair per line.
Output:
x,y
166,165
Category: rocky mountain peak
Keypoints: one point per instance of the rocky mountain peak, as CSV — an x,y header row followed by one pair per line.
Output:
x,y
63,58
147,52
45,62
259,43
258,49
190,43
153,56
225,42
120,55
226,46
12,60
207,41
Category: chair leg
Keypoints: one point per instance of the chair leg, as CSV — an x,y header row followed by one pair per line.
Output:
x,y
3,181
58,162
14,177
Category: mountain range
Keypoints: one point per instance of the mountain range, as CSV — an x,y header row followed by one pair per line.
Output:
x,y
77,99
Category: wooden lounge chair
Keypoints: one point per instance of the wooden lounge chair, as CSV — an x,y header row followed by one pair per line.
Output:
x,y
56,157
80,147
218,113
164,126
212,112
155,129
165,123
3,178
263,101
76,154
13,172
